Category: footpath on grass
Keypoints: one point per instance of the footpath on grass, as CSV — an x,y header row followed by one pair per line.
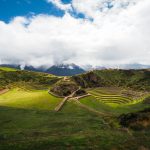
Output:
x,y
91,109
61,104
76,100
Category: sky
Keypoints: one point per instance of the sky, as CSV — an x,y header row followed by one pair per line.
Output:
x,y
84,32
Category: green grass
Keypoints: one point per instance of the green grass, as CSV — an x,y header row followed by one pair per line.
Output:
x,y
135,79
28,122
96,104
72,128
7,69
112,96
35,99
35,80
113,107
108,90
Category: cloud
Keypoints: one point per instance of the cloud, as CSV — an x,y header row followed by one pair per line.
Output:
x,y
100,7
117,35
60,5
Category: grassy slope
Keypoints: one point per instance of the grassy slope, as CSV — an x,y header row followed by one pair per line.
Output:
x,y
7,69
135,79
114,109
10,79
113,96
36,99
72,128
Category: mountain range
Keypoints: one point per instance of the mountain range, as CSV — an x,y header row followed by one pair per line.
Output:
x,y
59,70
73,69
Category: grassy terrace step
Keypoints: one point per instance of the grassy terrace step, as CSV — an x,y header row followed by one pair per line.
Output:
x,y
112,98
114,101
117,108
99,93
109,96
105,100
104,92
119,97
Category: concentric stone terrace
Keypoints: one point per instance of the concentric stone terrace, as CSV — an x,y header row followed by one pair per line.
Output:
x,y
110,98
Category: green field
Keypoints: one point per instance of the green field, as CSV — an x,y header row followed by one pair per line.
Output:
x,y
7,69
112,108
35,99
28,121
72,128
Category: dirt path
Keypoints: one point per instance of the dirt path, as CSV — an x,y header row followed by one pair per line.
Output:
x,y
61,104
66,78
4,91
82,96
76,100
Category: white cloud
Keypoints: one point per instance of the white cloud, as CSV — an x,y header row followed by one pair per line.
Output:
x,y
60,5
93,8
116,36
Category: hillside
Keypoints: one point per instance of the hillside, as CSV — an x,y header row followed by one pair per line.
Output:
x,y
10,77
135,79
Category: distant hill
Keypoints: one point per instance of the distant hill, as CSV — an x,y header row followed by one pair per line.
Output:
x,y
135,66
22,78
136,79
59,70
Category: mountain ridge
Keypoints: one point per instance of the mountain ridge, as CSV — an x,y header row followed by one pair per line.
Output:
x,y
59,70
73,69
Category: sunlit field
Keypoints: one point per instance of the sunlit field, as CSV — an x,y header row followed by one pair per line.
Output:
x,y
29,99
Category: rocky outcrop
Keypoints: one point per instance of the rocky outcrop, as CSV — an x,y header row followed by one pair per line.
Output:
x,y
147,100
80,92
64,88
136,121
89,79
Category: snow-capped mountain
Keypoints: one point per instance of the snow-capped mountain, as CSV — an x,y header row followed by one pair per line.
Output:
x,y
65,70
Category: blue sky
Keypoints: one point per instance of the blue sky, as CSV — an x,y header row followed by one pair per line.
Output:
x,y
12,8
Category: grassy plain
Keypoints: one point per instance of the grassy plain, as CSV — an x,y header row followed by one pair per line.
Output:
x,y
7,69
29,99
